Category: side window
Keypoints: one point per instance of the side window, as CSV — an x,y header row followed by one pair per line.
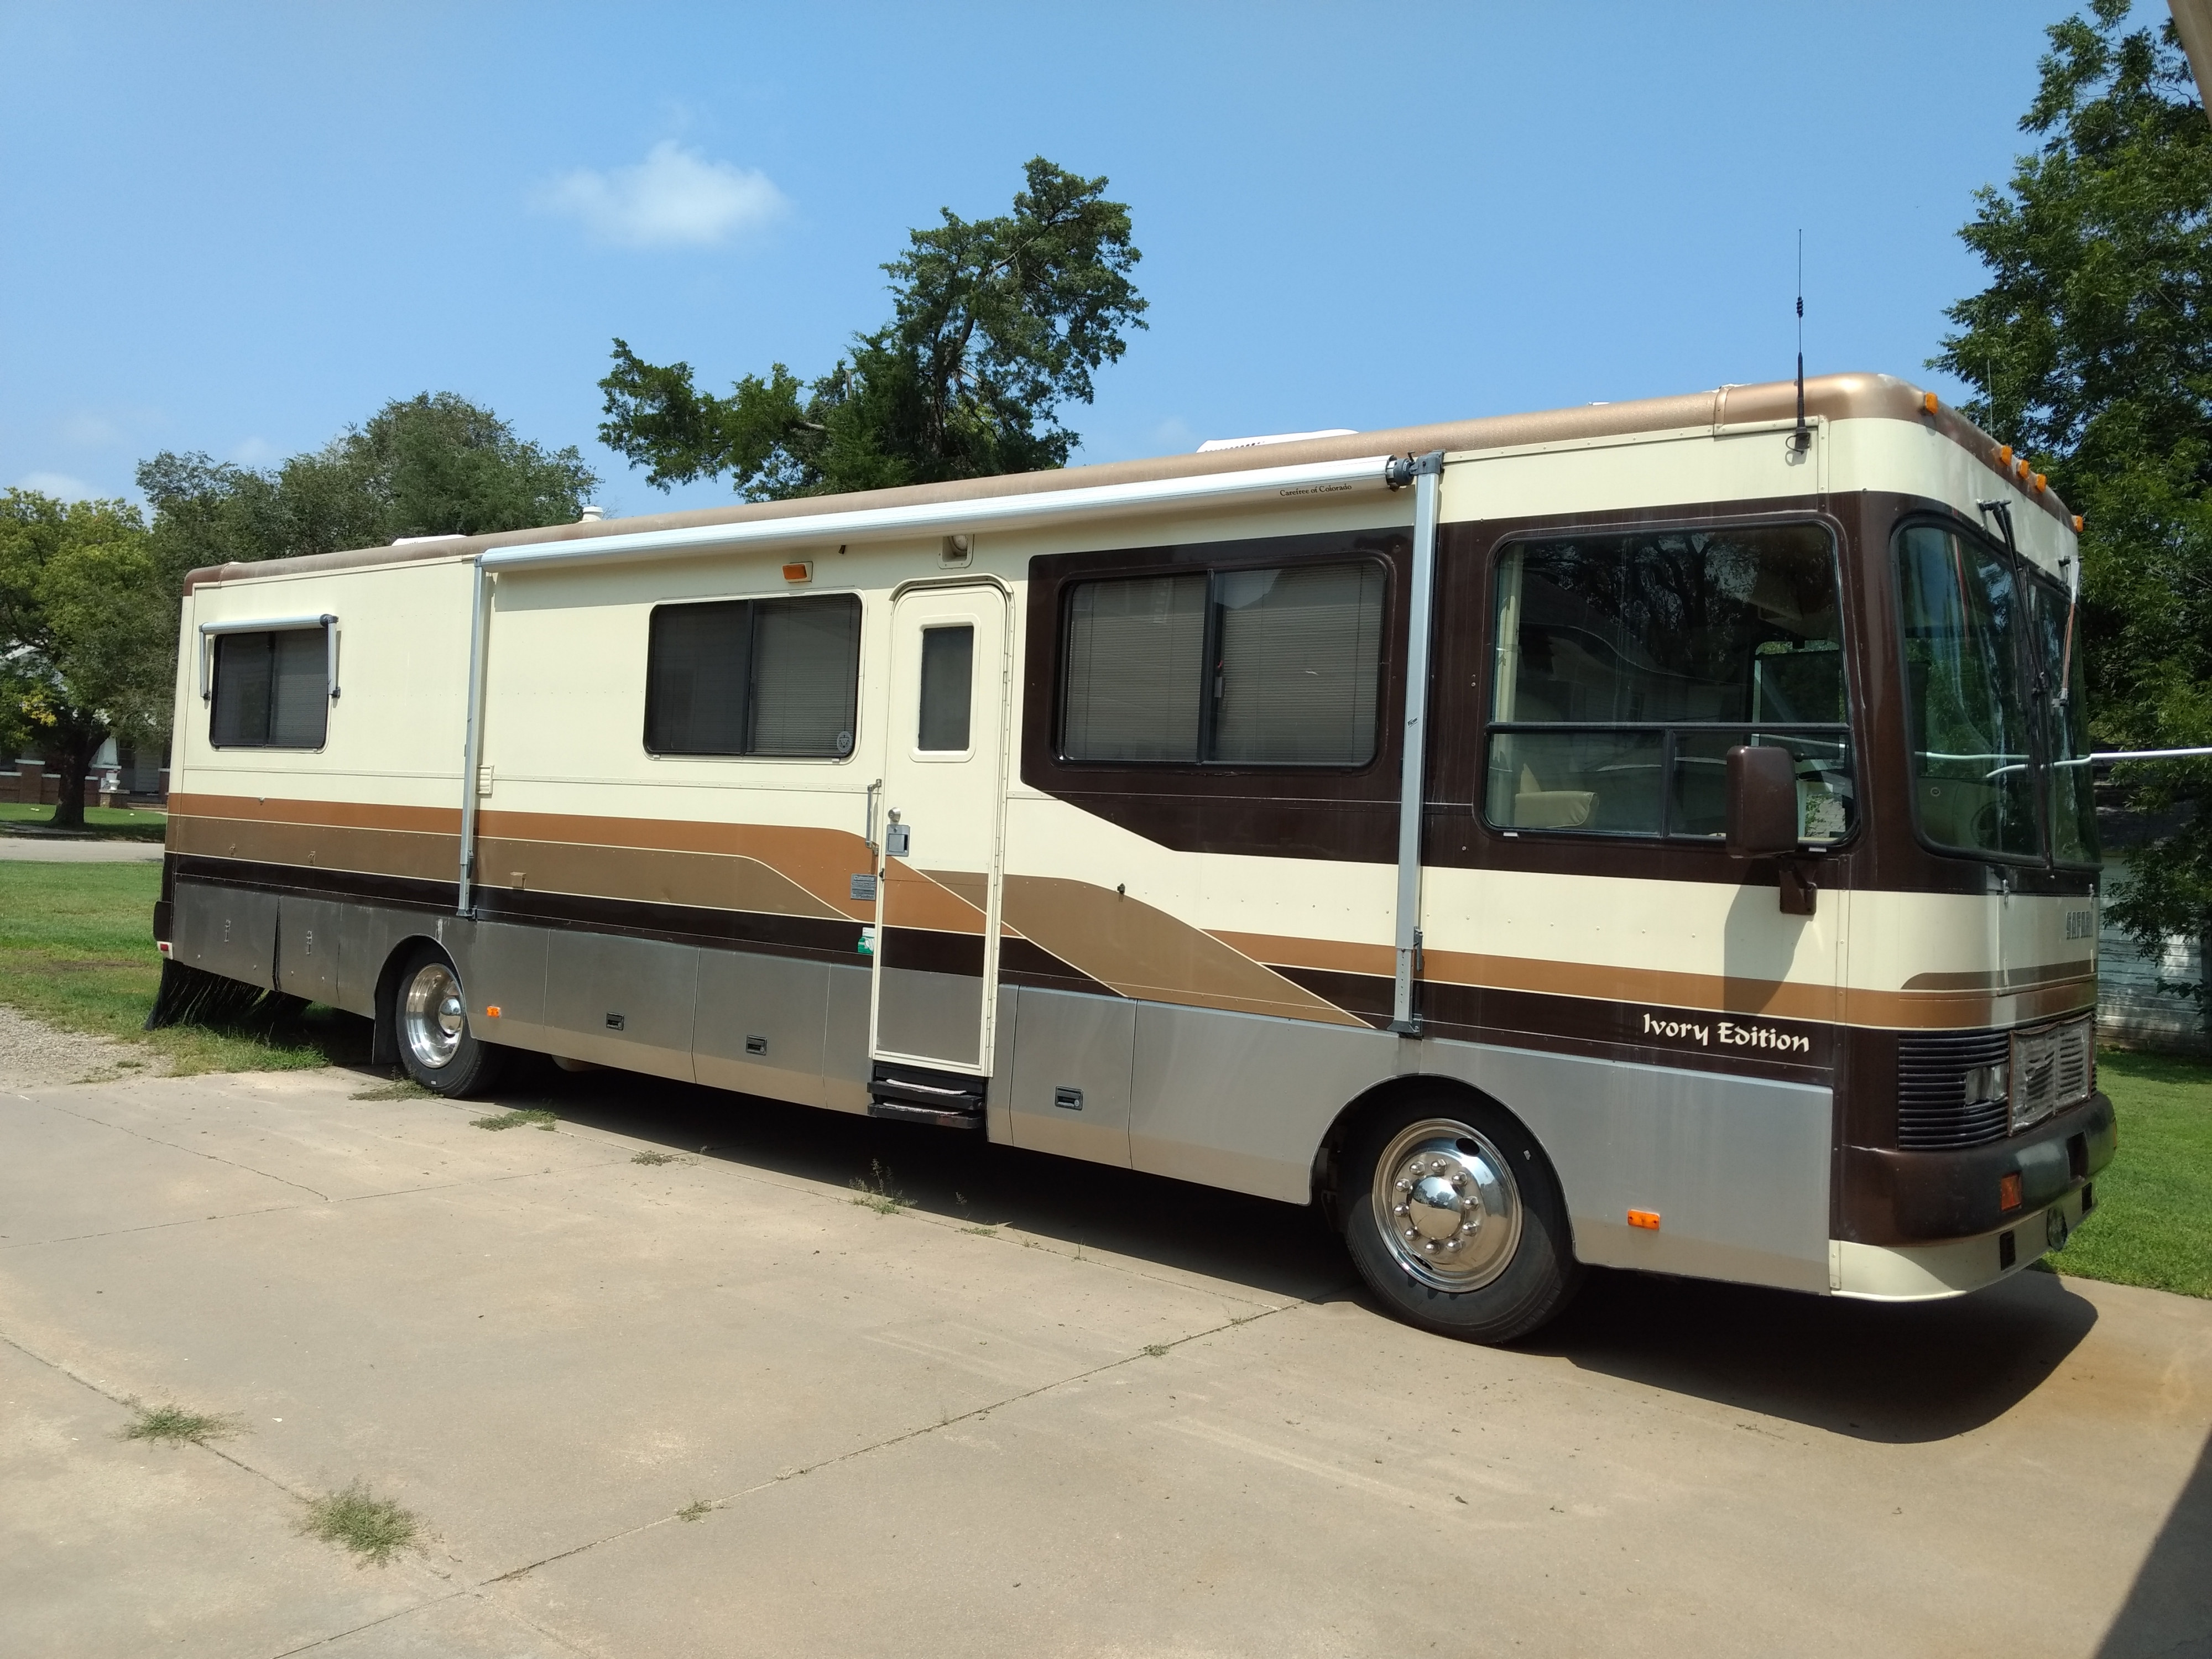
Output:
x,y
1627,666
948,673
272,689
754,676
1271,668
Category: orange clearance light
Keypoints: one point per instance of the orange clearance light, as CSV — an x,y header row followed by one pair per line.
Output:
x,y
1645,1219
2077,524
493,1010
2004,454
799,570
2021,471
1928,401
2009,1191
2038,482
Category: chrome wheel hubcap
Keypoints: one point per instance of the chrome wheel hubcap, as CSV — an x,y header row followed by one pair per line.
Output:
x,y
431,1016
1446,1202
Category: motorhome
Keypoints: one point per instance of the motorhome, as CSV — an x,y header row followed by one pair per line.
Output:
x,y
1654,834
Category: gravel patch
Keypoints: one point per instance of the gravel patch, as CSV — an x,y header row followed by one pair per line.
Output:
x,y
34,1056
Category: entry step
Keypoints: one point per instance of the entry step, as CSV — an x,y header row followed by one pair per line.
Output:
x,y
951,1100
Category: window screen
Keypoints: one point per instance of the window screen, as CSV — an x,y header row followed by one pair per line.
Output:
x,y
1278,666
948,671
754,676
272,689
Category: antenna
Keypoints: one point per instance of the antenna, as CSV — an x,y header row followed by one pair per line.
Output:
x,y
1801,439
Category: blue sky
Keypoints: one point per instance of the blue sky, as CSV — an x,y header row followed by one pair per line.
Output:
x,y
239,229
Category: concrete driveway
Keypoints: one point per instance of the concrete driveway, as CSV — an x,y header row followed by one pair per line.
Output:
x,y
1047,1409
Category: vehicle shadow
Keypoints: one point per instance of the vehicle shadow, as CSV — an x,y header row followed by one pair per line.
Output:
x,y
1895,1373
2168,1612
1274,1249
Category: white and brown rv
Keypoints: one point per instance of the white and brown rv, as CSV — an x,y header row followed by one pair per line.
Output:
x,y
1654,834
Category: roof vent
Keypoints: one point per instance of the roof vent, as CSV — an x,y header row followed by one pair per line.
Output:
x,y
593,514
1213,444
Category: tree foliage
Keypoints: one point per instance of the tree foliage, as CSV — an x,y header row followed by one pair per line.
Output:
x,y
87,633
432,465
2091,351
995,324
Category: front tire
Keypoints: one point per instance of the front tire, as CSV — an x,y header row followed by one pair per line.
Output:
x,y
430,1017
1454,1218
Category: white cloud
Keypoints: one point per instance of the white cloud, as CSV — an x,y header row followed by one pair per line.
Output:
x,y
87,430
676,197
58,484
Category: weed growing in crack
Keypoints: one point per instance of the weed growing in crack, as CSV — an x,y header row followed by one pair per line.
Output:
x,y
1157,1350
174,1425
987,1232
405,1088
536,1117
876,1191
657,1158
374,1528
698,1509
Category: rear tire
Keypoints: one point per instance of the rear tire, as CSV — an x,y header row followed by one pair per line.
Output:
x,y
1454,1218
430,1018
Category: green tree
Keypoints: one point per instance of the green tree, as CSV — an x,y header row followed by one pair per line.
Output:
x,y
994,325
2091,351
432,465
87,633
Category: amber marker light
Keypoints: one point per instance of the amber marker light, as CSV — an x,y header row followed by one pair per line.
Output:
x,y
2009,1191
1929,402
2004,454
1648,1219
800,570
493,1011
2077,524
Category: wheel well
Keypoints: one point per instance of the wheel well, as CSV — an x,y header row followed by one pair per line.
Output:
x,y
383,1044
1386,1093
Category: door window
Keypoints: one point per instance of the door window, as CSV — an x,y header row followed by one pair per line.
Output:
x,y
948,674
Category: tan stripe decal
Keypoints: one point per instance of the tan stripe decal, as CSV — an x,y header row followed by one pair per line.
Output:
x,y
1151,955
1138,950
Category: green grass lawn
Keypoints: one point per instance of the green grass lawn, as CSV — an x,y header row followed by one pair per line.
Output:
x,y
108,823
2153,1224
76,951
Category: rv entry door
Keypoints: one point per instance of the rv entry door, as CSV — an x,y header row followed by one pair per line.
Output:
x,y
937,918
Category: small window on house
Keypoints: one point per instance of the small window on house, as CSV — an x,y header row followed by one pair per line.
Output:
x,y
272,689
754,676
1271,668
948,671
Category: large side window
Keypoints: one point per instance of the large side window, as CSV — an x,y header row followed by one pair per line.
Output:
x,y
1272,667
754,676
272,689
1627,665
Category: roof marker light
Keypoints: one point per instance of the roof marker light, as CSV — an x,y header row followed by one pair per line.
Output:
x,y
1929,402
2004,454
2039,483
2077,524
800,570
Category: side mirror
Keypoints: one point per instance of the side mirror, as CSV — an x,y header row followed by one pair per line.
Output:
x,y
1762,801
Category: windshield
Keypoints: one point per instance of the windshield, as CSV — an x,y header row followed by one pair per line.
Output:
x,y
1982,660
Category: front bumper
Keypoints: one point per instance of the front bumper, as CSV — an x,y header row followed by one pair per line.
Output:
x,y
1909,1199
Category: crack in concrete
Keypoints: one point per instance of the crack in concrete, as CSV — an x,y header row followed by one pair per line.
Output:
x,y
889,1440
155,1141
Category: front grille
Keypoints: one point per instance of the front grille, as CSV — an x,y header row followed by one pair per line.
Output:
x,y
2052,1068
1933,1112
